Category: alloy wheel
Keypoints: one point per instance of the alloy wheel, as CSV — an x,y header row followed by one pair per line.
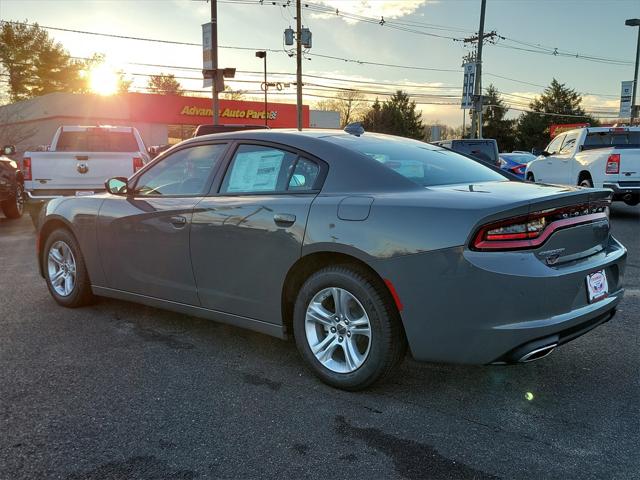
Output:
x,y
338,330
61,267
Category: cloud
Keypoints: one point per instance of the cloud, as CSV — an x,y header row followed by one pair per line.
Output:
x,y
371,8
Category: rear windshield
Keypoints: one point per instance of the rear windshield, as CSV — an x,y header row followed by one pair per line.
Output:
x,y
427,165
611,139
485,151
97,141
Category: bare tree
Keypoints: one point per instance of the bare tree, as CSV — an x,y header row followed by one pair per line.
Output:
x,y
12,130
351,104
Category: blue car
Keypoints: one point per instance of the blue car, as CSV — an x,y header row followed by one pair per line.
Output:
x,y
515,162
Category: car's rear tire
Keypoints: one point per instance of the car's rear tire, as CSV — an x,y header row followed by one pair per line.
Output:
x,y
358,343
530,177
64,270
14,207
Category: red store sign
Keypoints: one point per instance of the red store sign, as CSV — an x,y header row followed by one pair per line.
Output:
x,y
178,110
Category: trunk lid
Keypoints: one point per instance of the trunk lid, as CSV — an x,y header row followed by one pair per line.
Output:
x,y
565,241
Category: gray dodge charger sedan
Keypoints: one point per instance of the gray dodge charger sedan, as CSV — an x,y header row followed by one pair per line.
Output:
x,y
358,245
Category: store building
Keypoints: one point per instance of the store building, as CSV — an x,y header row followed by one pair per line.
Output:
x,y
161,119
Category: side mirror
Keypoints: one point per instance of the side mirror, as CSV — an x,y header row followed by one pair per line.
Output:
x,y
116,185
8,150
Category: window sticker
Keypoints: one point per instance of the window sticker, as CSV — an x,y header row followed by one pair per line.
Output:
x,y
255,171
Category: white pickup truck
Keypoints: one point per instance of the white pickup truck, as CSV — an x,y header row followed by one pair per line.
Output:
x,y
80,159
603,157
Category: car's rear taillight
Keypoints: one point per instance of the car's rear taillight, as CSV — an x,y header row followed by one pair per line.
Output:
x,y
519,170
26,168
613,163
532,230
137,164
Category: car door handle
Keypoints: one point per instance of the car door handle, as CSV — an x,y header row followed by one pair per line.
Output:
x,y
284,219
178,221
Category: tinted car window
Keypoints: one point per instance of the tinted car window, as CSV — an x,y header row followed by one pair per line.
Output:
x,y
304,175
425,164
184,172
482,150
608,139
258,169
97,141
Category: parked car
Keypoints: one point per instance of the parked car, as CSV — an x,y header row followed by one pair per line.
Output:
x,y
515,162
484,149
599,157
355,245
79,160
11,185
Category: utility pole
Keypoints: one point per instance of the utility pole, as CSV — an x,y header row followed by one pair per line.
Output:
x,y
634,22
299,62
214,59
476,119
478,88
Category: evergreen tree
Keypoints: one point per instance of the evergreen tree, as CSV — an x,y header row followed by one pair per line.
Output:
x,y
557,98
494,125
35,64
396,116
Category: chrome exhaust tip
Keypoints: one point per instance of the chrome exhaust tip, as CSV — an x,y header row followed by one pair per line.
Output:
x,y
537,353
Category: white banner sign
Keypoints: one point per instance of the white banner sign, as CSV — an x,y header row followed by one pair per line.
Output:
x,y
207,52
468,85
625,99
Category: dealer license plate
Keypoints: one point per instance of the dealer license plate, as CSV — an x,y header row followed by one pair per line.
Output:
x,y
597,286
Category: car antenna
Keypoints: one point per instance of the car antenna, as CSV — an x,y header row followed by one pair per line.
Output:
x,y
354,128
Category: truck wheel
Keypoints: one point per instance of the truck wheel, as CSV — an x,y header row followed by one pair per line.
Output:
x,y
14,207
586,182
530,177
633,201
347,329
65,271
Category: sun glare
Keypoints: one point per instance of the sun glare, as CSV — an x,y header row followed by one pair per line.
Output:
x,y
103,80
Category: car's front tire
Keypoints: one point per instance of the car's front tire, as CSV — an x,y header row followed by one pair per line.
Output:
x,y
346,327
14,207
64,270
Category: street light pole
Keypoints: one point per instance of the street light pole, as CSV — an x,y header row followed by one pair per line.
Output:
x,y
479,67
263,54
634,22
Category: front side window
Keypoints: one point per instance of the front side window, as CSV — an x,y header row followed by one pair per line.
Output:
x,y
554,146
185,172
259,169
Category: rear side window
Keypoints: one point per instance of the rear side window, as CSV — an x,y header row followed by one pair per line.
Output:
x,y
569,143
97,141
484,151
612,139
424,164
260,169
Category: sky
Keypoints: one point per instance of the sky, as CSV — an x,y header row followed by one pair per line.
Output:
x,y
410,36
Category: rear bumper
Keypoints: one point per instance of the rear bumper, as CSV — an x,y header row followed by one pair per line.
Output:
x,y
472,307
46,195
623,188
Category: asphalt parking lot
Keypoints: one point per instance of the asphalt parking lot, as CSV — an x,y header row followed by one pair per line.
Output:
x,y
118,390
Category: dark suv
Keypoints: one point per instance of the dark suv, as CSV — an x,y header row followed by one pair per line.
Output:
x,y
11,185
